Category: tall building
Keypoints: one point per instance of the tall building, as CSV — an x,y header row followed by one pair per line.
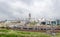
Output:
x,y
58,22
29,16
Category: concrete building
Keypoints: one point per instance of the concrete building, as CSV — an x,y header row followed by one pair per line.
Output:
x,y
49,22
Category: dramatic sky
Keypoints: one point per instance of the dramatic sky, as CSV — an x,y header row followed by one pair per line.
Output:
x,y
13,9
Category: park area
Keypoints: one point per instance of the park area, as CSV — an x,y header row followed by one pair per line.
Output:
x,y
17,33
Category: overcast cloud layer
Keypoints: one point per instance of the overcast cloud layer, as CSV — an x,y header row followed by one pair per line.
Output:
x,y
13,9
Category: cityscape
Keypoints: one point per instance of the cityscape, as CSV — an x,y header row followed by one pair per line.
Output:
x,y
29,18
32,24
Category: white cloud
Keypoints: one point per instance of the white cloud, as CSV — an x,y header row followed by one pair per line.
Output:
x,y
21,8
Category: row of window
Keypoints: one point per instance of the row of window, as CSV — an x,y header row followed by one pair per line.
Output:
x,y
51,22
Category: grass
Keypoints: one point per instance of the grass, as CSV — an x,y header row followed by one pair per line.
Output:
x,y
16,33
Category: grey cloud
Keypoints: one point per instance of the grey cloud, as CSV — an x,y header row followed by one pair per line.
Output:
x,y
7,10
28,2
56,9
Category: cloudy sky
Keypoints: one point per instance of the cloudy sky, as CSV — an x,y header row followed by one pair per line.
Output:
x,y
13,9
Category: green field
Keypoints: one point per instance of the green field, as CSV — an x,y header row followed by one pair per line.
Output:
x,y
16,33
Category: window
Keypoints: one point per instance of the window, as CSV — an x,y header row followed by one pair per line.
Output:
x,y
43,23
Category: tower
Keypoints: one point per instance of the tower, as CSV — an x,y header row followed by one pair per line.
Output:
x,y
29,16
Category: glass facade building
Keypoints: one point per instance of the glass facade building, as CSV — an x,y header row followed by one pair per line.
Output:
x,y
58,22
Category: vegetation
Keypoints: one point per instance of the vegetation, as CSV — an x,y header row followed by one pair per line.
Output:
x,y
16,33
33,23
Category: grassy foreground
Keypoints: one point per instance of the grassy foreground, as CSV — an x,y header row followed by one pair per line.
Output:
x,y
16,33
